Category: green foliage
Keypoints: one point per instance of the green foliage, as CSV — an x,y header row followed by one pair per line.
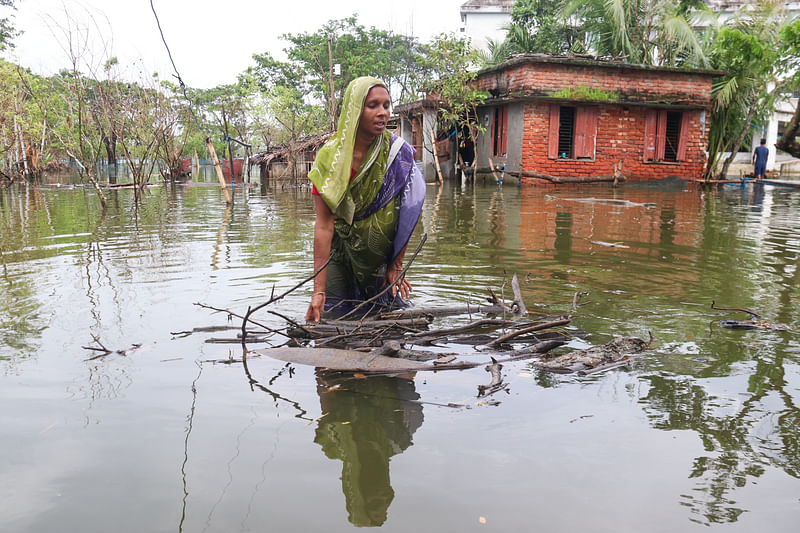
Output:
x,y
448,77
359,51
647,32
790,52
292,118
448,73
7,30
539,26
19,103
588,94
754,51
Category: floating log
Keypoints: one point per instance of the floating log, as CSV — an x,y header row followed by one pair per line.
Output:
x,y
334,328
559,179
237,340
573,179
354,361
596,357
472,326
378,322
374,362
537,327
738,324
490,309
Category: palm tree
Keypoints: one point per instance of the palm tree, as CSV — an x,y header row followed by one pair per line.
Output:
x,y
646,32
749,50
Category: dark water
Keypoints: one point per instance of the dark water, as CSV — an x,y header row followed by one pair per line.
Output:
x,y
703,430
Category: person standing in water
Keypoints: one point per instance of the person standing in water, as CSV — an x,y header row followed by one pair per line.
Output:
x,y
368,195
760,156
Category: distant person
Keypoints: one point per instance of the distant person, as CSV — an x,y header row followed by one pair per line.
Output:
x,y
368,197
467,153
760,160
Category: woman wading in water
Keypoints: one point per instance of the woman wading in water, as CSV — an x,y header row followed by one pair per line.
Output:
x,y
368,196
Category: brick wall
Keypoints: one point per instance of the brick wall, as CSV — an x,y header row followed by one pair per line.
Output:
x,y
533,80
620,137
532,77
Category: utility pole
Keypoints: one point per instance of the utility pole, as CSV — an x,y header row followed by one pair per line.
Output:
x,y
332,95
228,140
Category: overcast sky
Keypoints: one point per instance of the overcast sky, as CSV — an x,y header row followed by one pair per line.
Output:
x,y
211,40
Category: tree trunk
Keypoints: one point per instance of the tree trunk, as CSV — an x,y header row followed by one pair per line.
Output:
x,y
111,153
788,142
472,134
739,140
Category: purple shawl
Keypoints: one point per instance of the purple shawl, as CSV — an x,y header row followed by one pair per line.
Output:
x,y
403,178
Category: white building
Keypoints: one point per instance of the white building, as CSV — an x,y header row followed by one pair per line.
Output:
x,y
485,19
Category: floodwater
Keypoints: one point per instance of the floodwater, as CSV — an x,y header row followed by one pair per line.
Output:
x,y
700,432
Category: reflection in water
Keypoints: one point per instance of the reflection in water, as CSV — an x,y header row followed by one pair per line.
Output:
x,y
365,422
189,426
220,237
497,220
277,398
740,437
563,240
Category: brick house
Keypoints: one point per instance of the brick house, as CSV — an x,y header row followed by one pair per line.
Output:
x,y
574,119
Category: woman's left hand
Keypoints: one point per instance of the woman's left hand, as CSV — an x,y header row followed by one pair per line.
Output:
x,y
402,287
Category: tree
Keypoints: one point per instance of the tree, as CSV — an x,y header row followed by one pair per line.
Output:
x,y
448,75
7,31
790,38
646,32
751,52
539,26
359,51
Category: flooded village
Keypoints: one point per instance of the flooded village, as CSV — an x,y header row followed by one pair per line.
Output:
x,y
598,290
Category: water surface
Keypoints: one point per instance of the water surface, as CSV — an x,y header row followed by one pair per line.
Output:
x,y
702,430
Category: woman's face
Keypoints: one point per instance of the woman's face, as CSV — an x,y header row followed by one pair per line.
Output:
x,y
376,112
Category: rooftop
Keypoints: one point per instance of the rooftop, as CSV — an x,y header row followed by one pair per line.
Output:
x,y
588,60
494,6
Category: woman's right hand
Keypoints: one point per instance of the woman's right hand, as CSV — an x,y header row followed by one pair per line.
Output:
x,y
316,307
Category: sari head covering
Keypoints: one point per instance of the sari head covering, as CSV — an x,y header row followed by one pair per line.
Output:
x,y
331,172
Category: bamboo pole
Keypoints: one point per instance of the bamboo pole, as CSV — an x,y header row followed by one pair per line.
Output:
x,y
494,171
230,151
44,131
22,149
218,168
196,165
436,157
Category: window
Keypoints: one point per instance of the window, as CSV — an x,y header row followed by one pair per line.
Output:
x,y
672,135
781,128
665,135
566,132
573,132
416,137
500,131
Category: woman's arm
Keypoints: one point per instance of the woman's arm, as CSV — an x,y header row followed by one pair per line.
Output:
x,y
323,236
393,271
